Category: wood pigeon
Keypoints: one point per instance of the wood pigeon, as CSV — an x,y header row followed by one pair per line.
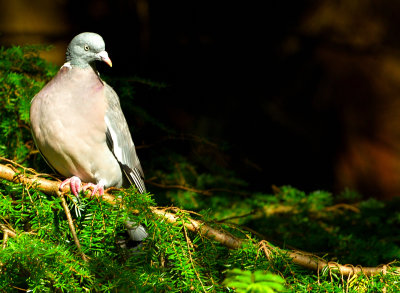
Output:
x,y
79,128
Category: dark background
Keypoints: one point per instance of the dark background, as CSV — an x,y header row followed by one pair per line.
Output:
x,y
305,93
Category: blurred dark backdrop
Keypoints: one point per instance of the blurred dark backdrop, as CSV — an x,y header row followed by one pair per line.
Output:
x,y
306,93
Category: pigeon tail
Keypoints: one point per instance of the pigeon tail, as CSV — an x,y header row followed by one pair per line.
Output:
x,y
136,232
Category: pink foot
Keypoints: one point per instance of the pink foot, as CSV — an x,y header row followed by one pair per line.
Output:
x,y
74,183
95,188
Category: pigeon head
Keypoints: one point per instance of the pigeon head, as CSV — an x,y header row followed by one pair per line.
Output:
x,y
85,49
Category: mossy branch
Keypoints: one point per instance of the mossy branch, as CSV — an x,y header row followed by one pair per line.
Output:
x,y
306,260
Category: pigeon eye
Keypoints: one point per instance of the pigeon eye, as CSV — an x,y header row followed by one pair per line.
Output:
x,y
86,47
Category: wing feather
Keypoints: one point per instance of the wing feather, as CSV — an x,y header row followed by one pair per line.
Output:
x,y
120,141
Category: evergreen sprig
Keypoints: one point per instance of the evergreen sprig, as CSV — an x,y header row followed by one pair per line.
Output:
x,y
254,282
22,74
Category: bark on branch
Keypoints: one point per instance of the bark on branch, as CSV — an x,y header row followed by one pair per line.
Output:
x,y
31,179
51,187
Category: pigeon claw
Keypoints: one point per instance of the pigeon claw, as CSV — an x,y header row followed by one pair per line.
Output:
x,y
74,183
95,188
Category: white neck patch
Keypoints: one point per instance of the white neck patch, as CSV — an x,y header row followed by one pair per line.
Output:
x,y
67,64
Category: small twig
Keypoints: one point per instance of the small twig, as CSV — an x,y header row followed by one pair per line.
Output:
x,y
236,217
384,271
179,210
7,230
13,163
242,193
72,227
266,247
5,238
189,246
181,137
21,289
196,226
182,187
206,192
343,206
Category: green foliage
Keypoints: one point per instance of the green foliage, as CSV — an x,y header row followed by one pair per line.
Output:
x,y
22,74
194,174
28,262
254,282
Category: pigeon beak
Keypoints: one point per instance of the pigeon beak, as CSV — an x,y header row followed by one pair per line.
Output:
x,y
103,56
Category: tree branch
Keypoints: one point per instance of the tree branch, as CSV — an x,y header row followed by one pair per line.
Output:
x,y
31,179
313,262
51,187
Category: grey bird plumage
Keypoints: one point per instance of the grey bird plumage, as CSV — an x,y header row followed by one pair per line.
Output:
x,y
79,127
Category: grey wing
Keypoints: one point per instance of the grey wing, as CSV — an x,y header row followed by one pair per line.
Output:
x,y
120,142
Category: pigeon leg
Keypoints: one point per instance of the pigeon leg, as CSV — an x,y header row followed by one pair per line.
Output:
x,y
74,183
95,188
